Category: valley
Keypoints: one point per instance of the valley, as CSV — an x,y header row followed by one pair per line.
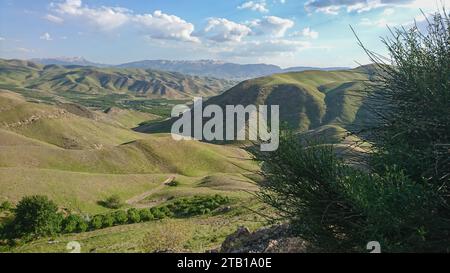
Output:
x,y
80,135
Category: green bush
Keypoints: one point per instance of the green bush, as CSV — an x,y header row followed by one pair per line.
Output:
x,y
107,220
37,216
191,206
120,217
112,202
157,213
145,215
174,183
6,206
133,216
337,207
96,222
83,226
74,223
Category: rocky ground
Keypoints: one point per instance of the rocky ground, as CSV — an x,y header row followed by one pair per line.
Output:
x,y
275,239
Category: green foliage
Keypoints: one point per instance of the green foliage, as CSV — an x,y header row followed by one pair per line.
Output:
x,y
120,217
411,95
157,213
337,207
197,205
107,220
74,223
402,199
96,222
112,202
6,206
133,216
37,216
145,215
174,183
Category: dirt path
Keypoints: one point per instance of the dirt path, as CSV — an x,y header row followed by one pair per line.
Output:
x,y
139,198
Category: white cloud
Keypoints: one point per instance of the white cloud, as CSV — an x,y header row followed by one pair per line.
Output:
x,y
46,36
255,6
223,30
359,6
273,47
271,25
157,25
2,39
307,32
54,19
388,12
163,26
105,18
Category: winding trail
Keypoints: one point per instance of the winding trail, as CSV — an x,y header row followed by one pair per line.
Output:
x,y
139,198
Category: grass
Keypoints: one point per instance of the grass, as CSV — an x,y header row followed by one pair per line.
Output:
x,y
195,234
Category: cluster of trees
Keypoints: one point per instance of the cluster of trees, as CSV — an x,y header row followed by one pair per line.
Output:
x,y
402,198
36,216
197,205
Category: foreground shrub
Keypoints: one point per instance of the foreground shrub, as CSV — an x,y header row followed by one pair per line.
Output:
x,y
339,208
37,216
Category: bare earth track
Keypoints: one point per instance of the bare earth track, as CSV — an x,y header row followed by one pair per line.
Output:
x,y
139,198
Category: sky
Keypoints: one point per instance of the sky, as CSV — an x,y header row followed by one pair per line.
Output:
x,y
281,32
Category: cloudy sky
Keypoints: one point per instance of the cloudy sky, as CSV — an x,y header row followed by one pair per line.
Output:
x,y
282,32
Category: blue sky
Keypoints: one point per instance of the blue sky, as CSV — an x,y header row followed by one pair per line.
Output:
x,y
281,32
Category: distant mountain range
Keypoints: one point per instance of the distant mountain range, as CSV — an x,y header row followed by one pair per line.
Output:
x,y
206,68
66,61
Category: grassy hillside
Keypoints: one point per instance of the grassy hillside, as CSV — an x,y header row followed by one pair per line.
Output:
x,y
307,100
78,156
91,80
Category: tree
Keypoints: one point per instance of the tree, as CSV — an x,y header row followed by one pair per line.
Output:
x,y
120,217
96,222
145,215
74,223
133,216
107,220
37,216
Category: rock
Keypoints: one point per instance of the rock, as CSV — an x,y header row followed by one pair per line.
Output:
x,y
275,239
287,245
236,240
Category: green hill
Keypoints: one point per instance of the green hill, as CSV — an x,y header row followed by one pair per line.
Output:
x,y
78,156
307,100
92,80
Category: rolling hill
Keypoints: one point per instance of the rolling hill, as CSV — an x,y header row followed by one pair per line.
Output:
x,y
92,80
77,157
307,100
